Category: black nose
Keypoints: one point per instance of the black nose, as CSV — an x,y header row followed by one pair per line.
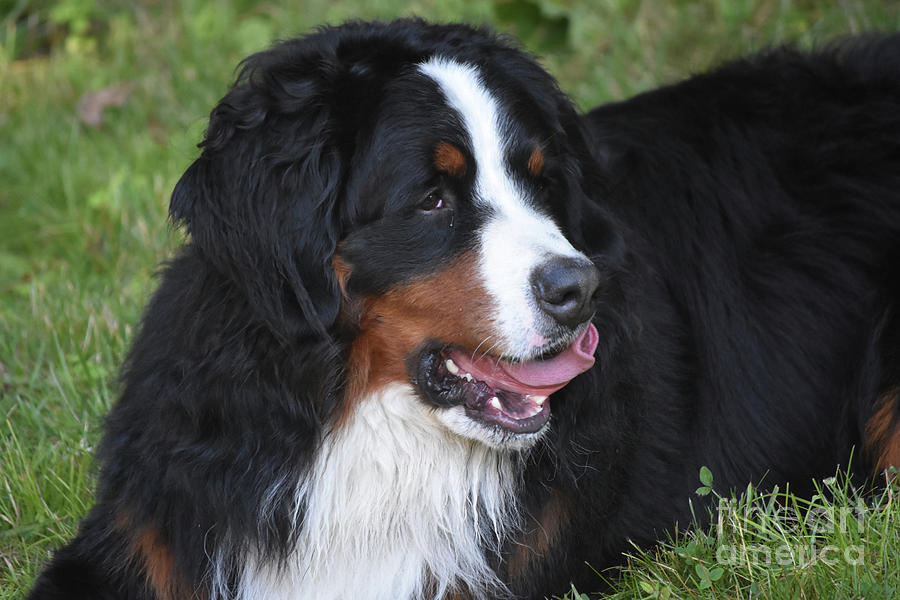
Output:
x,y
564,289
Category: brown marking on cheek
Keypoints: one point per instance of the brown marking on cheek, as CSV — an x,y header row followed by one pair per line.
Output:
x,y
882,440
450,306
158,564
449,159
538,542
536,161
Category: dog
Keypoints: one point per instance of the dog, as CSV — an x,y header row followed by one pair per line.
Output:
x,y
437,334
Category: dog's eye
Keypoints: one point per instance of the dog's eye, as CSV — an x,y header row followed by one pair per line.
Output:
x,y
433,201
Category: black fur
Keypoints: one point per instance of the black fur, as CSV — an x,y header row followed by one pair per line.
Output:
x,y
746,223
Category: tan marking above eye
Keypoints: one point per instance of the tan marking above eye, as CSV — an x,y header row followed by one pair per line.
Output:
x,y
449,159
536,161
342,270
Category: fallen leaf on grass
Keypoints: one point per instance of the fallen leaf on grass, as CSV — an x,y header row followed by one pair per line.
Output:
x,y
92,104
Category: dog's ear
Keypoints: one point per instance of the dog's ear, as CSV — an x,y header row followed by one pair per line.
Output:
x,y
260,201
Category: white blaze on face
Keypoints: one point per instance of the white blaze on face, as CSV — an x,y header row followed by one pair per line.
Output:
x,y
515,239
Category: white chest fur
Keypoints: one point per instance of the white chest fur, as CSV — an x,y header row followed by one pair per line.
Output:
x,y
396,507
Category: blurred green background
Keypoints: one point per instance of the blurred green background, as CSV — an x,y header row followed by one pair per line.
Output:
x,y
101,105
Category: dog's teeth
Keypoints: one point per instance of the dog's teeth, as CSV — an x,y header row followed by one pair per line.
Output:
x,y
495,402
451,366
468,377
539,400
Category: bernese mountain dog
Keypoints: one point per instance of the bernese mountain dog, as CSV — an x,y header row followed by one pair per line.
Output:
x,y
436,334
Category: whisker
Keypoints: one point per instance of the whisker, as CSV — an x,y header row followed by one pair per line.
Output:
x,y
475,351
488,351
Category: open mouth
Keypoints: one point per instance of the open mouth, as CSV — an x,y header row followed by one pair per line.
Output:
x,y
497,393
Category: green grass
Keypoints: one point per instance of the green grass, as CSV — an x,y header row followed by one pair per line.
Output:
x,y
773,545
83,230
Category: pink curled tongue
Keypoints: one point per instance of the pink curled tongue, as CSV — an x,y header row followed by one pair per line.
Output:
x,y
535,377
